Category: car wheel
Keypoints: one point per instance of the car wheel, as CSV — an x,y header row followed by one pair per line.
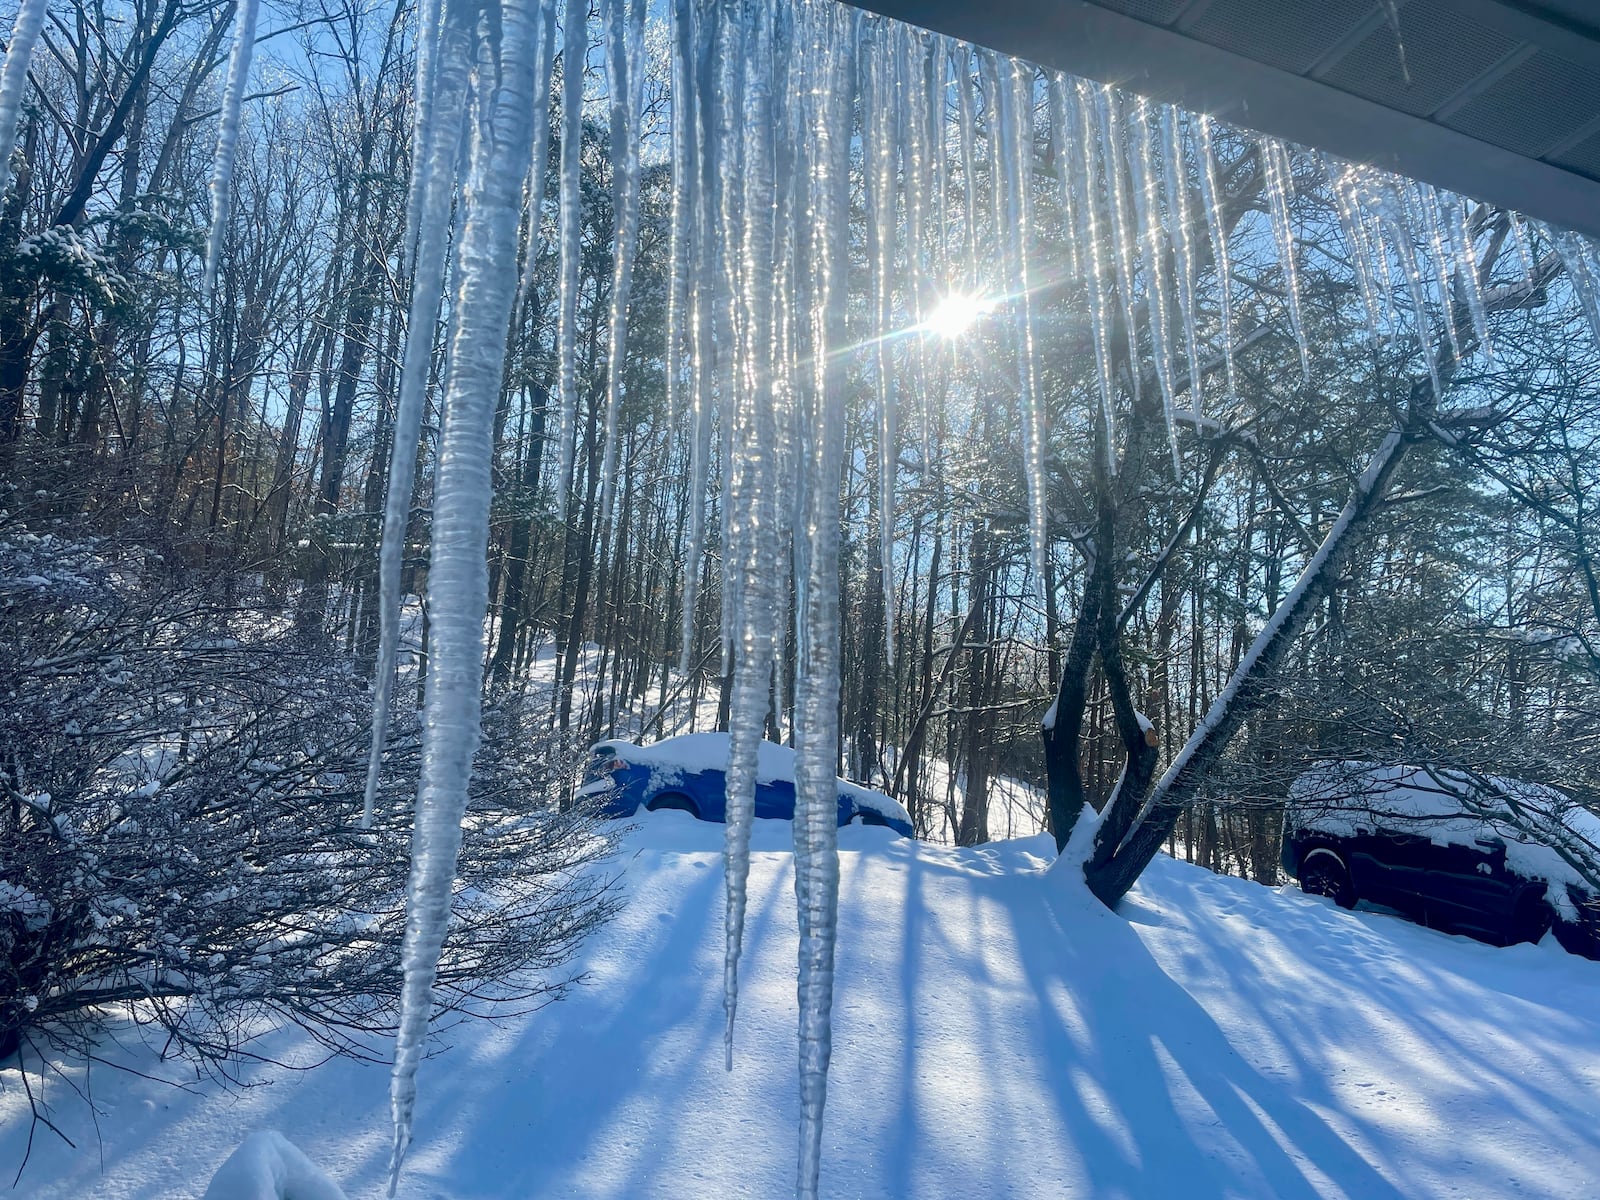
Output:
x,y
675,800
1323,873
1531,918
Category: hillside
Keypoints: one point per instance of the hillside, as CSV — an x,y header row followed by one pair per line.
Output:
x,y
998,1034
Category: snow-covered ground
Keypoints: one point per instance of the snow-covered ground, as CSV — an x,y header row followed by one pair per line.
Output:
x,y
998,1034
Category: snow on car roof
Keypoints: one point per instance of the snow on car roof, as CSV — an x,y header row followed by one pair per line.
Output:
x,y
693,752
1548,834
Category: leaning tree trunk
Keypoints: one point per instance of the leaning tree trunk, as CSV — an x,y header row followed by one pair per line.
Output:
x,y
1135,824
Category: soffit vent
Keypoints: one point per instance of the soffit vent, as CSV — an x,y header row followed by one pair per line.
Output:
x,y
1291,36
1157,12
1584,157
1444,53
1533,107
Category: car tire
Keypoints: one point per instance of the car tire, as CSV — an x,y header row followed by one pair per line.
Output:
x,y
675,800
1323,873
1531,918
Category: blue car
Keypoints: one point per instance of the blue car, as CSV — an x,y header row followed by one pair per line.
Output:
x,y
689,772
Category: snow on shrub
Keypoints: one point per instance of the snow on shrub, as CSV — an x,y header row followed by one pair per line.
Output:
x,y
180,793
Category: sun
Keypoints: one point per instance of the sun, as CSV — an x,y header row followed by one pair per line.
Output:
x,y
955,314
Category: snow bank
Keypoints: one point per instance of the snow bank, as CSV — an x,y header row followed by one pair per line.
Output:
x,y
998,1033
268,1166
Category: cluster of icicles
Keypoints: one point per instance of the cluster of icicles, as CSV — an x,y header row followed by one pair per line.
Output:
x,y
780,111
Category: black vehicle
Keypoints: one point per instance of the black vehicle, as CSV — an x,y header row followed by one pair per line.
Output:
x,y
1495,859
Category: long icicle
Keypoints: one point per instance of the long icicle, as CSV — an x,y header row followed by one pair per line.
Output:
x,y
244,45
1358,245
728,327
1423,206
436,151
1181,220
1017,153
1147,211
539,158
703,353
752,506
1276,166
624,20
14,78
458,577
1113,150
1390,207
878,151
429,16
1080,113
574,56
1467,280
679,245
1211,196
817,689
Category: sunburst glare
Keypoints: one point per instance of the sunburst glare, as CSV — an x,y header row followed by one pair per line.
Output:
x,y
957,313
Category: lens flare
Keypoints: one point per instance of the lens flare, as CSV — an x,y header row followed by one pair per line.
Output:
x,y
957,313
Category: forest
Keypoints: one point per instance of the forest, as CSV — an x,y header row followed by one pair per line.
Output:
x,y
1142,462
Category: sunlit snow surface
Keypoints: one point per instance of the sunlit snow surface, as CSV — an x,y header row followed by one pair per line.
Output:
x,y
997,1034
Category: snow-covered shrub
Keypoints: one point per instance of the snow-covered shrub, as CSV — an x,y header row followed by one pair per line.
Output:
x,y
180,790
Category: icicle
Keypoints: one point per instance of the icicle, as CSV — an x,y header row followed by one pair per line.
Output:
x,y
1576,254
244,45
1467,273
1091,235
428,19
574,54
1279,179
458,576
993,128
1181,220
1423,215
1358,244
728,329
702,354
878,151
539,160
1211,196
1062,135
624,21
966,119
751,501
1016,112
914,137
683,155
1519,239
1112,153
1147,210
939,154
1392,211
436,154
817,688
14,78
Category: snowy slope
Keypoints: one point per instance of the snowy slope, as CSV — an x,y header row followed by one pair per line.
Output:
x,y
997,1035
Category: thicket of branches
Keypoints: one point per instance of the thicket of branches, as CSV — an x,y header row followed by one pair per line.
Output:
x,y
180,835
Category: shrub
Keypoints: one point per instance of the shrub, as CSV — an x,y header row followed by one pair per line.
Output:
x,y
179,832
